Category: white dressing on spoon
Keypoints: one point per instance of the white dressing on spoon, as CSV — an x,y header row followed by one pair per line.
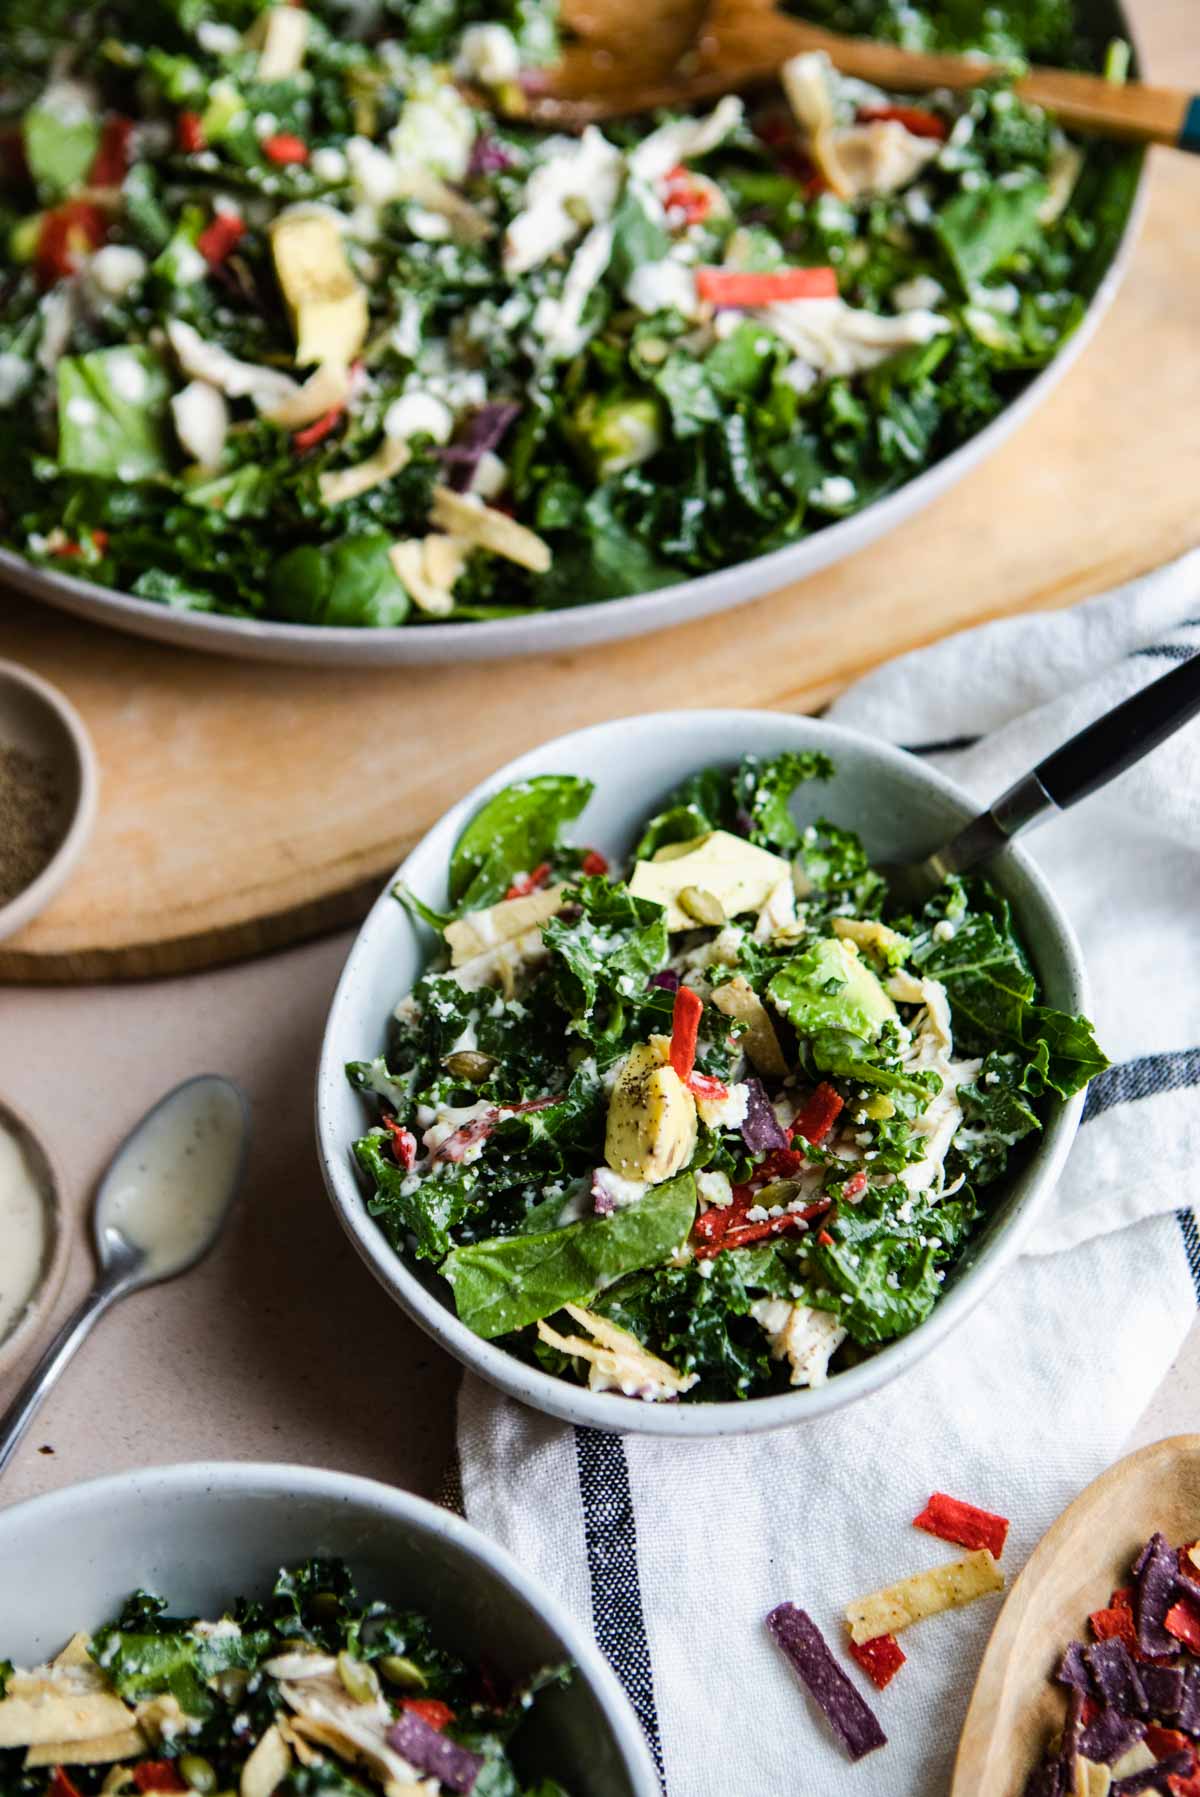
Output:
x,y
24,1230
174,1178
160,1206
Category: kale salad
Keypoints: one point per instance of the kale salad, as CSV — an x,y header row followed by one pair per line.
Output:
x,y
314,1692
714,1123
294,326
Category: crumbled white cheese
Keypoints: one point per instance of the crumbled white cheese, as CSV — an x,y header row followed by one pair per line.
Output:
x,y
576,182
558,324
116,269
728,1112
835,492
663,286
921,291
416,414
489,54
201,418
684,139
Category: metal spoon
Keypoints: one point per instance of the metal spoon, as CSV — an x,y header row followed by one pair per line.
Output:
x,y
1070,773
160,1207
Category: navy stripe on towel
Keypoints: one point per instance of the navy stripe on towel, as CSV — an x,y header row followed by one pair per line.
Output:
x,y
1191,1245
1144,1078
1166,652
610,1532
946,746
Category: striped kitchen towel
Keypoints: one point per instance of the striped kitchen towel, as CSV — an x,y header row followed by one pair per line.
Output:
x,y
676,1552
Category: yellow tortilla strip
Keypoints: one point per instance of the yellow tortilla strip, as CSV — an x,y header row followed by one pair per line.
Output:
x,y
268,1765
75,1653
117,1779
1091,1780
299,1746
924,1594
63,1704
121,1745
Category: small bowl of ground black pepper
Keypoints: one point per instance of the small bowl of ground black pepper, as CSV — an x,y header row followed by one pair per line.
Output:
x,y
48,791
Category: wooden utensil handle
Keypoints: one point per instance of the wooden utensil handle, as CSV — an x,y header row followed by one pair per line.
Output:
x,y
1085,102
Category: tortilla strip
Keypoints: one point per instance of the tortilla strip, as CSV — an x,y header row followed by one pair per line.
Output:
x,y
268,1765
123,1744
60,1703
924,1594
299,1746
75,1653
327,1734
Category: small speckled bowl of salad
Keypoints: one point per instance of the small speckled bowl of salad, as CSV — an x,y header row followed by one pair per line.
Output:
x,y
642,1096
279,1631
305,351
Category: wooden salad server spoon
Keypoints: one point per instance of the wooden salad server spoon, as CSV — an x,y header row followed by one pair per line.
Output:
x,y
623,66
1074,1569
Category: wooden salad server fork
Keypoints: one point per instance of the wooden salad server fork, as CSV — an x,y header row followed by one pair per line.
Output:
x,y
632,57
1073,1570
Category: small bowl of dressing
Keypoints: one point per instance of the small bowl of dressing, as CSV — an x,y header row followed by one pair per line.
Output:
x,y
34,1240
48,791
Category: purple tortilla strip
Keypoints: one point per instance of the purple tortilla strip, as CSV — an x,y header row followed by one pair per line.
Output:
x,y
1153,1778
1073,1670
429,1751
1117,1677
668,979
1188,1587
487,156
802,1643
1046,1780
1110,1736
761,1128
1189,1704
484,432
1155,1589
1139,1564
1163,1686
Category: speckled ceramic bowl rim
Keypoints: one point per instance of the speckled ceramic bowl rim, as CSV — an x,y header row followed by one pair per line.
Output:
x,y
576,1404
22,909
19,1340
281,1483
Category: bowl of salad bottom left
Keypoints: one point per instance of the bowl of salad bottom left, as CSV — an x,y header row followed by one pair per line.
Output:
x,y
394,1635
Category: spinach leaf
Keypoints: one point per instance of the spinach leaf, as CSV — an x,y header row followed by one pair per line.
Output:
x,y
982,228
349,581
503,1284
112,412
514,832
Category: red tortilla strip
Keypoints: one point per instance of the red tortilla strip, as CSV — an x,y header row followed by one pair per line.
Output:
x,y
952,1520
880,1658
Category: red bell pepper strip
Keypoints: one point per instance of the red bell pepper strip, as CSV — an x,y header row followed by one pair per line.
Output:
x,y
819,1115
740,1234
703,1085
189,133
404,1143
594,863
100,541
880,1658
1183,1621
733,287
110,165
430,1709
318,430
1184,1786
685,1027
719,1219
855,1186
218,238
60,1785
825,1239
915,120
70,547
524,884
158,1775
68,234
965,1524
682,193
781,1163
284,147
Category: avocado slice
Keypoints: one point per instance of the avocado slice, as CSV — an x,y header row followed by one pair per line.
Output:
x,y
830,986
739,876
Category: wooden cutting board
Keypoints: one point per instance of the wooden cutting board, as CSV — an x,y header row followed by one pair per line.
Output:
x,y
245,807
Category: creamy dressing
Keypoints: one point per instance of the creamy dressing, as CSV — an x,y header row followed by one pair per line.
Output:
x,y
171,1184
23,1231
